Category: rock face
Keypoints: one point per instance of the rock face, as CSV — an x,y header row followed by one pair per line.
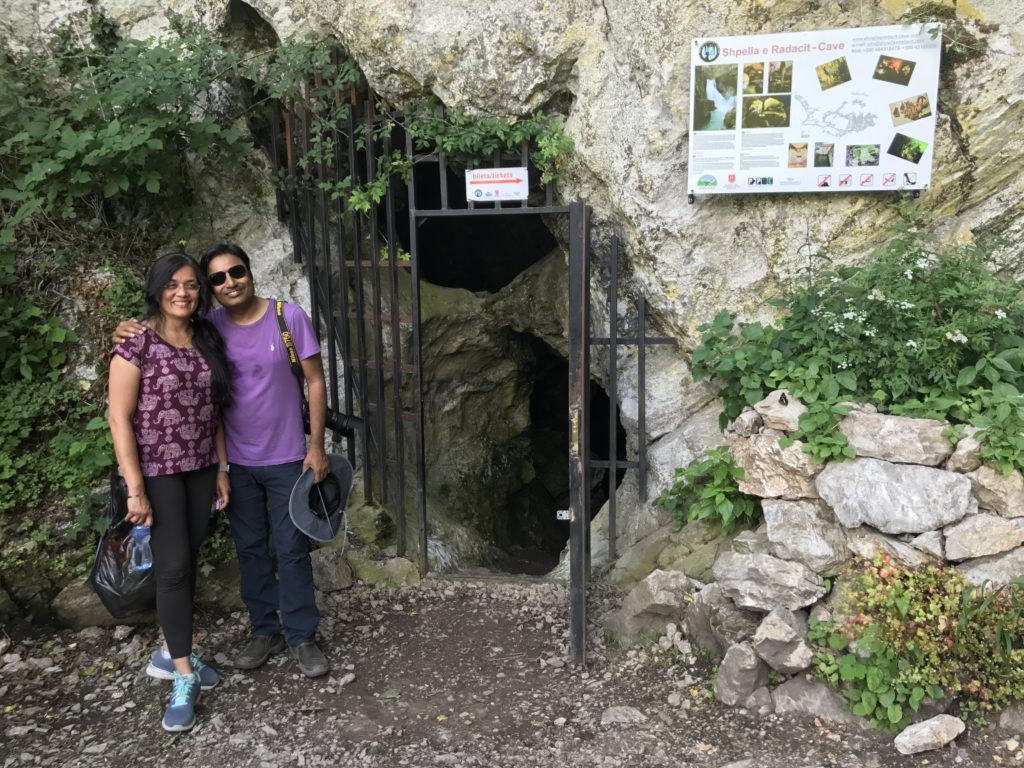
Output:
x,y
806,532
781,641
713,622
763,582
895,498
658,600
771,471
981,535
897,438
1002,494
739,675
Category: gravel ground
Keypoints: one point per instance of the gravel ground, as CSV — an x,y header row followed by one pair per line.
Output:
x,y
456,672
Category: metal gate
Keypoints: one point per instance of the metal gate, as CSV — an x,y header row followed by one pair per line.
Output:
x,y
371,338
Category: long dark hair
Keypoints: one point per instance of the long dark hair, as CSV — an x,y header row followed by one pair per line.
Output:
x,y
205,337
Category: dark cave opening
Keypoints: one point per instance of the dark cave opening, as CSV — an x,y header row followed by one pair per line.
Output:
x,y
535,537
478,253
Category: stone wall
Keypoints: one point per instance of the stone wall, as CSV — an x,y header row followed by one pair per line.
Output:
x,y
619,72
909,494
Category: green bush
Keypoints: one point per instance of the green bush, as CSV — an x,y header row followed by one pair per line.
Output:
x,y
907,634
916,331
707,489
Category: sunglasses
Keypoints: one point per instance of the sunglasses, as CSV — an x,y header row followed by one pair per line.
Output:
x,y
237,272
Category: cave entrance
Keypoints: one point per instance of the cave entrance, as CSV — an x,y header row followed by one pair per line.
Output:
x,y
367,300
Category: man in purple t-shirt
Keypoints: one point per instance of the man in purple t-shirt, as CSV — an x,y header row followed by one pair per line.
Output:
x,y
267,452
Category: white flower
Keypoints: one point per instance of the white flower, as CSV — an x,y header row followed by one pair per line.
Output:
x,y
1000,314
906,305
956,336
843,365
912,344
870,332
926,261
909,274
849,315
876,295
837,327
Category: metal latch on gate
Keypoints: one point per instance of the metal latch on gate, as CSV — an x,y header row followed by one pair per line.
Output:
x,y
574,432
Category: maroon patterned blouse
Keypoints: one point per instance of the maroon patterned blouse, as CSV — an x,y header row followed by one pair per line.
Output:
x,y
175,418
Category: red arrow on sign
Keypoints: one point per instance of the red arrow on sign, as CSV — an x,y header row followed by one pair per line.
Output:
x,y
497,181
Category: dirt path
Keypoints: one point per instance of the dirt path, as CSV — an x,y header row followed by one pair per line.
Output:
x,y
452,673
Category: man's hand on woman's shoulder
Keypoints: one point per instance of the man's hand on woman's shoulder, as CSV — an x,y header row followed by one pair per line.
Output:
x,y
127,329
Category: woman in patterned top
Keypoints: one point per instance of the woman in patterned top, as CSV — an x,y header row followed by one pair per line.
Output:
x,y
167,389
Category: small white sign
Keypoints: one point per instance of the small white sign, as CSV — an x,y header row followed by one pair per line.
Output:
x,y
491,185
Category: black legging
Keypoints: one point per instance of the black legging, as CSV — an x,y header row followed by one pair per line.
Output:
x,y
181,514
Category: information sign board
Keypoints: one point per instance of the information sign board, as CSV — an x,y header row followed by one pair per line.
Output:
x,y
490,185
839,110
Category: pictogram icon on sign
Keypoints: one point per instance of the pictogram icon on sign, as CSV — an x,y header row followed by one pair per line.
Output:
x,y
825,180
845,179
867,179
888,179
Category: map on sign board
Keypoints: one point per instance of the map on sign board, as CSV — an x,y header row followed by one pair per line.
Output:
x,y
837,110
492,185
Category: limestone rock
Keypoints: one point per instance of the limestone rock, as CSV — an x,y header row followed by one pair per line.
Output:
x,y
982,535
897,438
1002,494
637,562
739,675
806,532
713,622
967,454
392,572
763,582
998,569
760,702
895,498
780,410
748,423
1011,719
693,549
930,734
781,641
930,543
622,715
657,600
331,572
752,542
808,696
77,606
864,542
771,471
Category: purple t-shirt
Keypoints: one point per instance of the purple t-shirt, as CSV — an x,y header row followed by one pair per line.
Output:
x,y
263,424
174,419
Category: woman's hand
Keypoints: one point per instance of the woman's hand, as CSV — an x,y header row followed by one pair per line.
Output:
x,y
223,490
139,511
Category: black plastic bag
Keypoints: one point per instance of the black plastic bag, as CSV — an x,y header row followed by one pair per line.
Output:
x,y
124,591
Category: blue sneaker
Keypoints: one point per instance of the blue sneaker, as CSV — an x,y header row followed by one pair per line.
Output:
x,y
161,667
181,710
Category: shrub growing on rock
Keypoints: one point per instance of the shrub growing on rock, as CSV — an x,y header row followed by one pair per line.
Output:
x,y
907,634
917,331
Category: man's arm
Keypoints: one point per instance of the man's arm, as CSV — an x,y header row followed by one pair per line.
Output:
x,y
316,385
127,329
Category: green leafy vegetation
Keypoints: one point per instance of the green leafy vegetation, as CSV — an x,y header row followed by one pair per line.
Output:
x,y
916,331
707,489
910,634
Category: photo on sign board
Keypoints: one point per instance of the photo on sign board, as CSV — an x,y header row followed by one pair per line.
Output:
x,y
766,111
889,69
798,154
824,155
753,77
909,110
862,154
714,97
780,76
833,73
907,148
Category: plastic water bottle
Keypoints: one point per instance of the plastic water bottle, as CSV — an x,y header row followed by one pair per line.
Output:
x,y
142,553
